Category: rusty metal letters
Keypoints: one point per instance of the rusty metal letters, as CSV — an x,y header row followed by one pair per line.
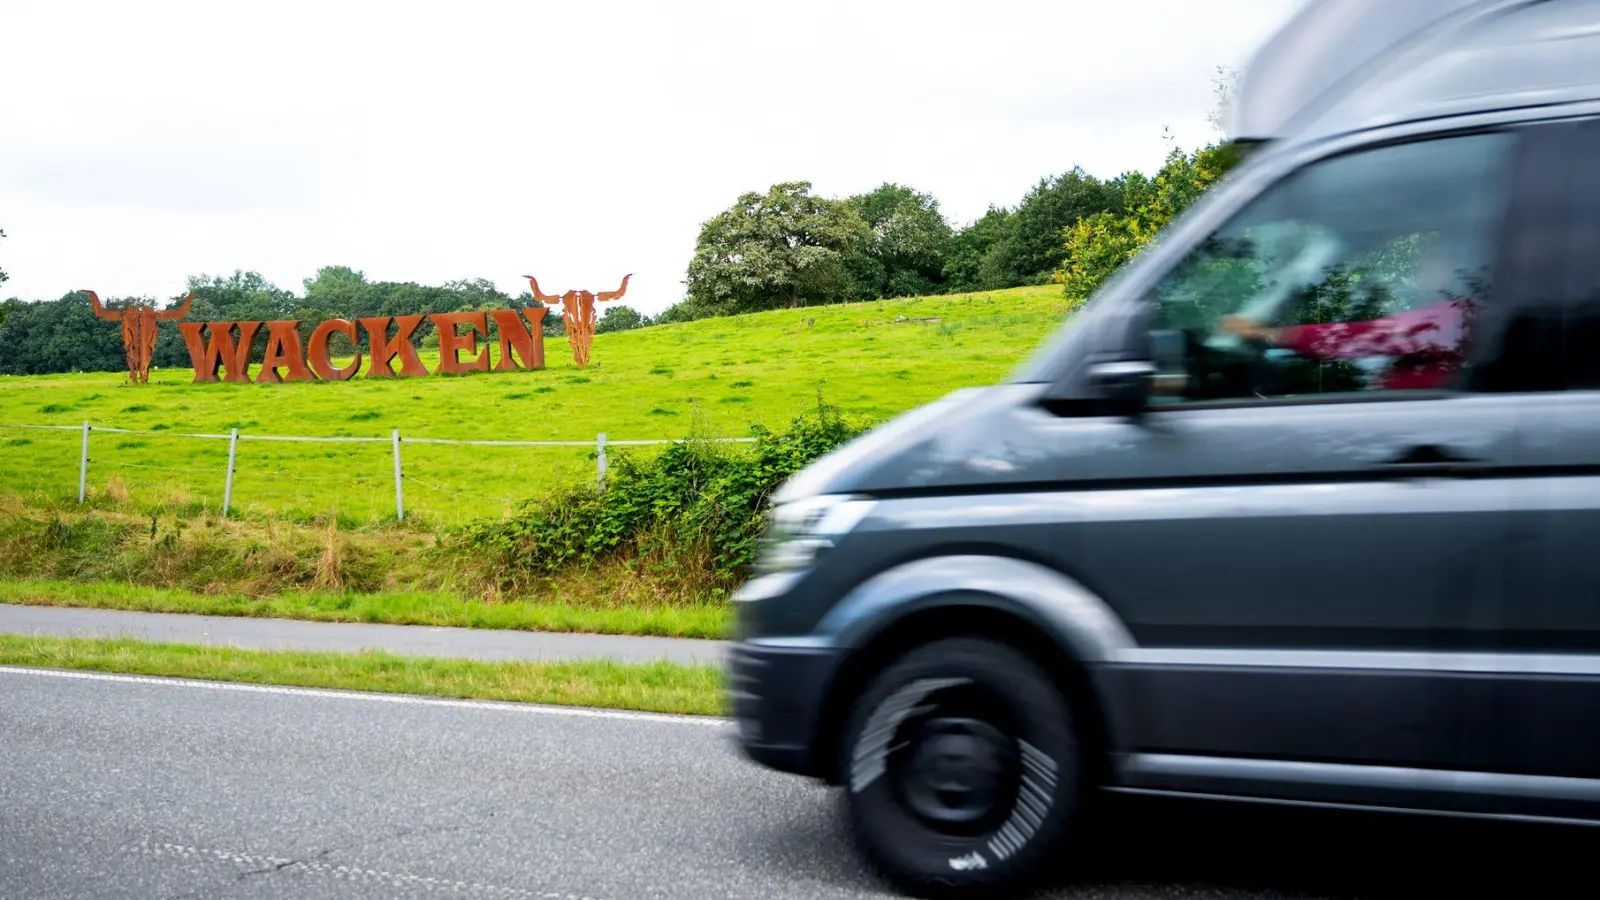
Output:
x,y
222,350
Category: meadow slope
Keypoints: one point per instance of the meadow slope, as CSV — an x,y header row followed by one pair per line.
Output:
x,y
715,377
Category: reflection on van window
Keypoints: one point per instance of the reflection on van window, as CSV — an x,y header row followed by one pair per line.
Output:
x,y
1359,273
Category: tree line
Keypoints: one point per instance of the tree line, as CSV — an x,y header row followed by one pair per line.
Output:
x,y
63,335
788,247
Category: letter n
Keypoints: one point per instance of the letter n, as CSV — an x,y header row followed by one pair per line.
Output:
x,y
527,341
217,351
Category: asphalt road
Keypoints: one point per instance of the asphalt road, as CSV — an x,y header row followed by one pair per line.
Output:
x,y
351,637
118,786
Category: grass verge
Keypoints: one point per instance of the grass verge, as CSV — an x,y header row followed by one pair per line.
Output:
x,y
392,608
653,687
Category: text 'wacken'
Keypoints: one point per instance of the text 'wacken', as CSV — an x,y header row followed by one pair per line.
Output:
x,y
222,350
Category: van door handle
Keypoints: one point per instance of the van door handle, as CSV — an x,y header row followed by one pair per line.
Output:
x,y
1433,459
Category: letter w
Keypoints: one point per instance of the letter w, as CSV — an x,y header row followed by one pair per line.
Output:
x,y
218,351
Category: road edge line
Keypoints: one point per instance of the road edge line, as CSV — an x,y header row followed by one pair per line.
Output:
x,y
370,696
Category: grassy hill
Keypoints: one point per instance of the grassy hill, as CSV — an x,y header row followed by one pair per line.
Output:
x,y
715,377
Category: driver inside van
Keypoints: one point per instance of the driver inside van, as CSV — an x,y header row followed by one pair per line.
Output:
x,y
1420,348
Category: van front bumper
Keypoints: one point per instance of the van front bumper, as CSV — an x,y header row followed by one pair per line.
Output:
x,y
777,689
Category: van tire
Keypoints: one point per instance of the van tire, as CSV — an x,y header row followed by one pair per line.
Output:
x,y
942,718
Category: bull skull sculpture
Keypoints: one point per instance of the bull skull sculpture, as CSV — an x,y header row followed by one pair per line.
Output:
x,y
577,311
138,320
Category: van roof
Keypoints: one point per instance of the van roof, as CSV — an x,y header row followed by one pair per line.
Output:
x,y
1348,65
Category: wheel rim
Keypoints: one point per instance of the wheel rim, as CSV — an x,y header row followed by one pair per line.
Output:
x,y
957,772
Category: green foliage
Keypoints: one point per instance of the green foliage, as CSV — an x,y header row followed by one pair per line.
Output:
x,y
620,318
3,276
58,336
784,248
696,505
1053,205
896,244
977,256
1023,246
904,254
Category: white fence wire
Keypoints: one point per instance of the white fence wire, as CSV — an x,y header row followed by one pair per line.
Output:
x,y
395,440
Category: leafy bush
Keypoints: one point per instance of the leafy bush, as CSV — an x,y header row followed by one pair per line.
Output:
x,y
694,513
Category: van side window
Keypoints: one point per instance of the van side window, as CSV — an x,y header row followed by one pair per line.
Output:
x,y
1363,272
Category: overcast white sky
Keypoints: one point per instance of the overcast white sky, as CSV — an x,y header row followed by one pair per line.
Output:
x,y
142,142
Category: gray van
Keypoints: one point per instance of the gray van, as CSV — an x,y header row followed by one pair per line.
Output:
x,y
1302,508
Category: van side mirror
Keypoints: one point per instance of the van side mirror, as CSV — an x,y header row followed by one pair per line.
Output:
x,y
1124,385
1128,385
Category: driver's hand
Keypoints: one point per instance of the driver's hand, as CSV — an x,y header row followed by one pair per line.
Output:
x,y
1247,328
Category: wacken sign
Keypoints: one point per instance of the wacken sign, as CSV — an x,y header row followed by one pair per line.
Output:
x,y
222,350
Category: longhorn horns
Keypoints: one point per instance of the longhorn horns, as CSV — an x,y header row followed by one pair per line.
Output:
x,y
110,315
115,315
538,295
616,294
602,296
181,310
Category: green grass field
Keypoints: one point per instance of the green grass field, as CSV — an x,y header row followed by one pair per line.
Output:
x,y
714,378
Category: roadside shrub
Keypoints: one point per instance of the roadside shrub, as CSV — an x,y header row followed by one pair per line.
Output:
x,y
693,513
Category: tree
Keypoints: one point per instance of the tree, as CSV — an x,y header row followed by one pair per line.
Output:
x,y
620,318
905,251
1052,206
339,292
978,255
3,276
1010,247
785,248
58,336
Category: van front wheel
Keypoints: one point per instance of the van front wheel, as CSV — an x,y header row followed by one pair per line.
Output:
x,y
962,774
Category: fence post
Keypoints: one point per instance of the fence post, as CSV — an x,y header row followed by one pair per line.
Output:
x,y
83,464
227,485
399,491
600,457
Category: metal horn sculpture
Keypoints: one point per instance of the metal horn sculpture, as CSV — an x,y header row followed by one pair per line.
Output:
x,y
577,311
138,320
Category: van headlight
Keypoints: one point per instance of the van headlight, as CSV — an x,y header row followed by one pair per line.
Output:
x,y
802,530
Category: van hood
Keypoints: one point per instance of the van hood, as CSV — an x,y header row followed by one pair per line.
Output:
x,y
960,439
